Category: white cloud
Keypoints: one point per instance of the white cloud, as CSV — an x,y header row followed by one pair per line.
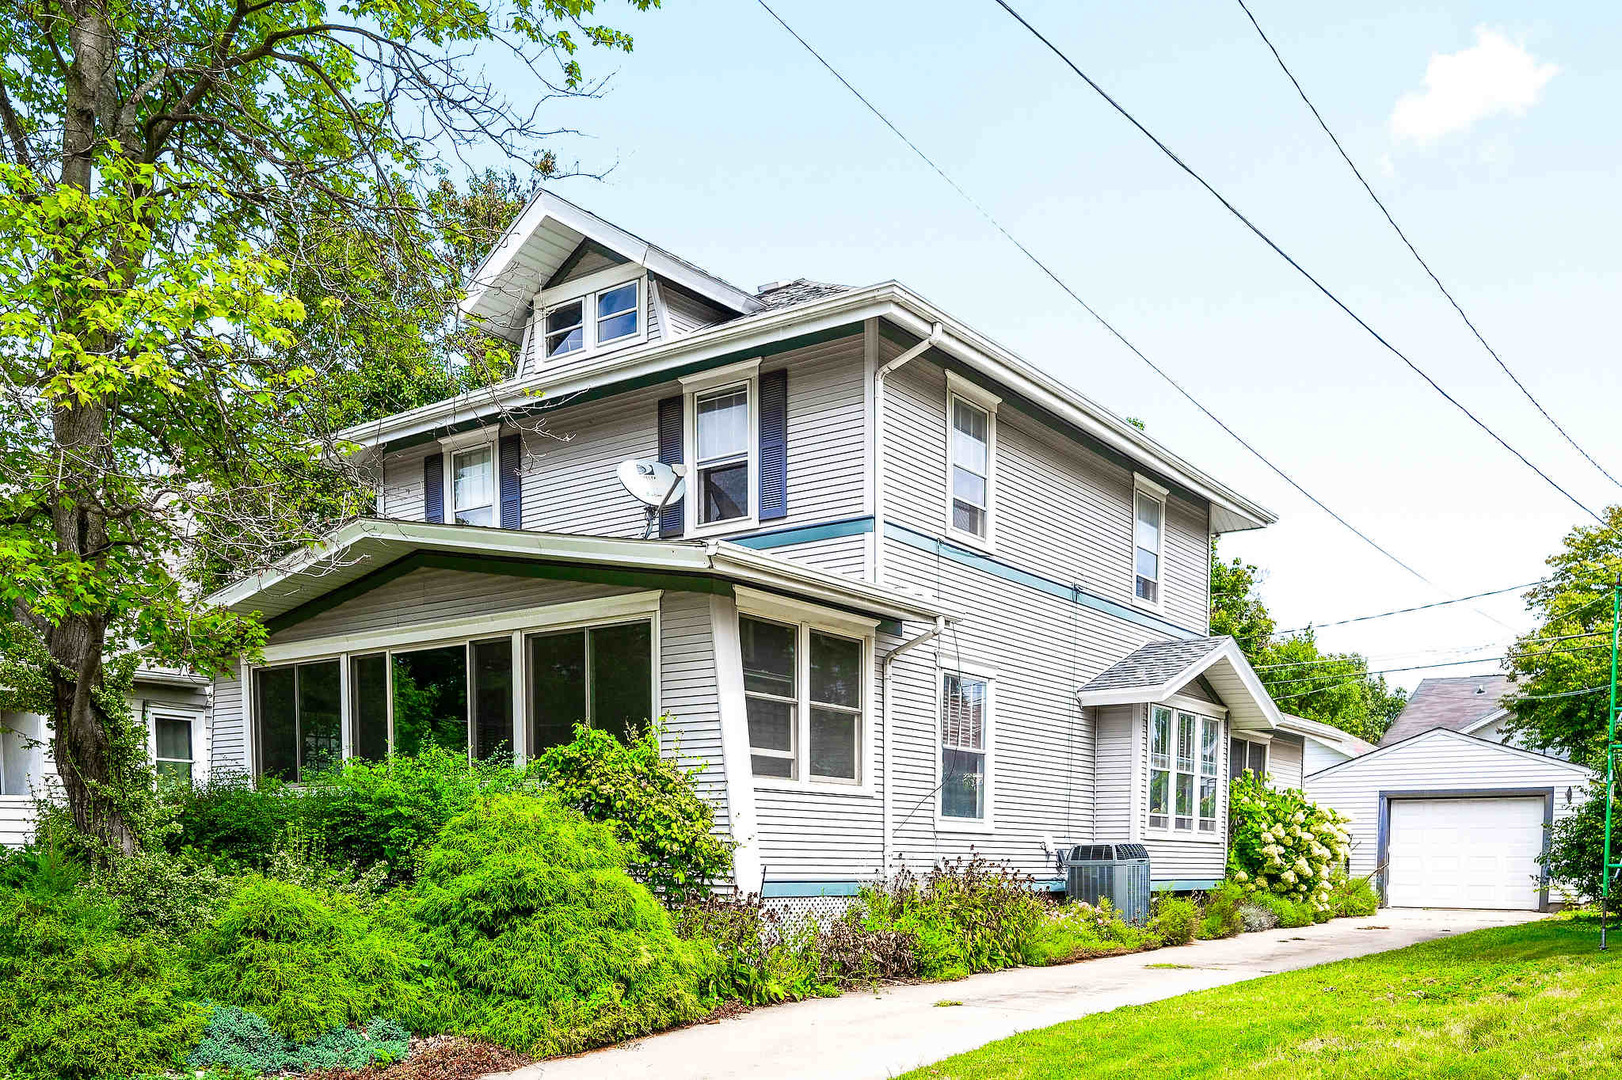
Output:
x,y
1495,75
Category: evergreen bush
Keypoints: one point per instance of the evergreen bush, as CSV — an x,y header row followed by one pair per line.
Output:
x,y
538,937
241,1041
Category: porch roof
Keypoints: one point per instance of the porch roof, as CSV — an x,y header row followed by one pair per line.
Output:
x,y
367,546
1160,669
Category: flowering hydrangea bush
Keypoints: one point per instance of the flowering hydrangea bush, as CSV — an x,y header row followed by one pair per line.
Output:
x,y
1283,844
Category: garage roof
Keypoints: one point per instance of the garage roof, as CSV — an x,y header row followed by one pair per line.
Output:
x,y
1448,733
1458,703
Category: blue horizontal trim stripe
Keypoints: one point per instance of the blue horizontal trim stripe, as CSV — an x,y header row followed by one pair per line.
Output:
x,y
1197,885
776,889
805,534
997,568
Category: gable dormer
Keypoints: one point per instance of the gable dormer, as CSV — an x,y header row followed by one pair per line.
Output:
x,y
564,285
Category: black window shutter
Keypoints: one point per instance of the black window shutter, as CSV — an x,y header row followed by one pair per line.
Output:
x,y
512,488
433,487
672,434
774,445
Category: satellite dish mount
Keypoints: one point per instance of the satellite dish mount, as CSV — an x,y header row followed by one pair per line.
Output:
x,y
655,485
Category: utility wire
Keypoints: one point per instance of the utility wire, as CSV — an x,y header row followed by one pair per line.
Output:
x,y
1568,693
1342,659
1398,353
1088,308
1415,251
1426,667
1408,610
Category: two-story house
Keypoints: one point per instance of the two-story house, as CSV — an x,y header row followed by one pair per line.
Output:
x,y
918,598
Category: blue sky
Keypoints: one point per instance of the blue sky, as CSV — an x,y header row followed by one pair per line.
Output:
x,y
731,147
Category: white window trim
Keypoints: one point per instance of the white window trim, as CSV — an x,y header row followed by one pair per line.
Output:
x,y
579,615
1193,835
1267,753
460,445
586,290
151,711
745,374
987,823
752,603
961,389
1142,485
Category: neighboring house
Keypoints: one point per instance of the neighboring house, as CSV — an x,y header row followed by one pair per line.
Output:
x,y
1297,747
1472,704
172,705
920,600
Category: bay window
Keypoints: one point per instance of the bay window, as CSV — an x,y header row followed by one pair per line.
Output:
x,y
804,701
965,746
1185,753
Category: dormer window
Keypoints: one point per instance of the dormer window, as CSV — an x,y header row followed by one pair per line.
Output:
x,y
599,311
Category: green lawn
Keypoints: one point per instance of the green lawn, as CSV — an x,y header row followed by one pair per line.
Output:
x,y
1525,1001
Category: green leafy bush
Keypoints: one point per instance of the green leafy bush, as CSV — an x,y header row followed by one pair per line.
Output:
x,y
1175,920
1286,912
1080,931
81,999
963,916
539,938
1220,917
1283,844
159,893
1576,854
307,961
231,820
242,1041
759,958
648,801
1354,897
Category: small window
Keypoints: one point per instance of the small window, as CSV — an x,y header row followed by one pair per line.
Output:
x,y
1246,756
1185,765
722,454
836,707
565,329
770,697
617,313
172,738
1149,514
964,720
473,485
971,468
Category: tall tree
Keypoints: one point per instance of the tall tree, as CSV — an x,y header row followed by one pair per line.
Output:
x,y
1562,668
198,199
1333,688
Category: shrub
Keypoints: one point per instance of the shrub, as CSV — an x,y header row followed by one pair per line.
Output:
x,y
963,916
648,801
1220,917
366,813
539,938
231,820
1175,921
1288,913
80,998
1576,854
762,959
1257,917
307,961
1283,844
1354,897
242,1041
159,893
1080,931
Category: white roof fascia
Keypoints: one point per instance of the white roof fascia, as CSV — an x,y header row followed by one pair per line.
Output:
x,y
729,561
547,205
1477,725
1228,651
1449,733
1230,510
1327,734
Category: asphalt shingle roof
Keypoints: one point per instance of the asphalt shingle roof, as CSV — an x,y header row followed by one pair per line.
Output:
x,y
1153,664
1453,703
799,291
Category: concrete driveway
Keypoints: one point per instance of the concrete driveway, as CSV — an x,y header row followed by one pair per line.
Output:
x,y
868,1035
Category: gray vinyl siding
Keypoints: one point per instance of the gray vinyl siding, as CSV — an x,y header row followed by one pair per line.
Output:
x,y
1433,762
1315,755
400,492
827,424
1113,808
229,746
687,312
689,698
1284,761
1061,511
841,554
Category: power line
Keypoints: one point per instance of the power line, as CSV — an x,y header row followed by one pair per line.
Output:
x,y
1088,308
1409,610
1568,693
1415,251
1342,659
1398,353
1426,667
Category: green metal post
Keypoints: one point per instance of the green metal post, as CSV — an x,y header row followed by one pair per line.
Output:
x,y
1608,869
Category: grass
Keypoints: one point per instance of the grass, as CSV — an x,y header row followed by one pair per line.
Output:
x,y
1514,1002
1170,967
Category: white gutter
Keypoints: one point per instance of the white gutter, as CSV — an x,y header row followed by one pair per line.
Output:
x,y
884,718
878,447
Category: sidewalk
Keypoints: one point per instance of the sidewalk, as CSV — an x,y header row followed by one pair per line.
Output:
x,y
870,1035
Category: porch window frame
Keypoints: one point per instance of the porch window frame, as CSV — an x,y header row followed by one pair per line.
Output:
x,y
808,619
447,633
1200,828
986,823
959,389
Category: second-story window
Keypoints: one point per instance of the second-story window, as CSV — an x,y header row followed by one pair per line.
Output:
x,y
722,454
970,489
565,329
473,485
1148,529
616,313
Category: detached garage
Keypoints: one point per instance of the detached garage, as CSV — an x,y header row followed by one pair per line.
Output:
x,y
1444,819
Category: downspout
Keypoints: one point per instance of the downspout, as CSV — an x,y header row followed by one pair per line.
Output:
x,y
934,338
884,717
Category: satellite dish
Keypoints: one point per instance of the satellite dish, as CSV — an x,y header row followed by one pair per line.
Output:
x,y
654,484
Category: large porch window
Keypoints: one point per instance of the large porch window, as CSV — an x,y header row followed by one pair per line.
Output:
x,y
1185,752
804,701
459,696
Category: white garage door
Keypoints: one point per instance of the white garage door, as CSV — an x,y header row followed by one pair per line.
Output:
x,y
1464,853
